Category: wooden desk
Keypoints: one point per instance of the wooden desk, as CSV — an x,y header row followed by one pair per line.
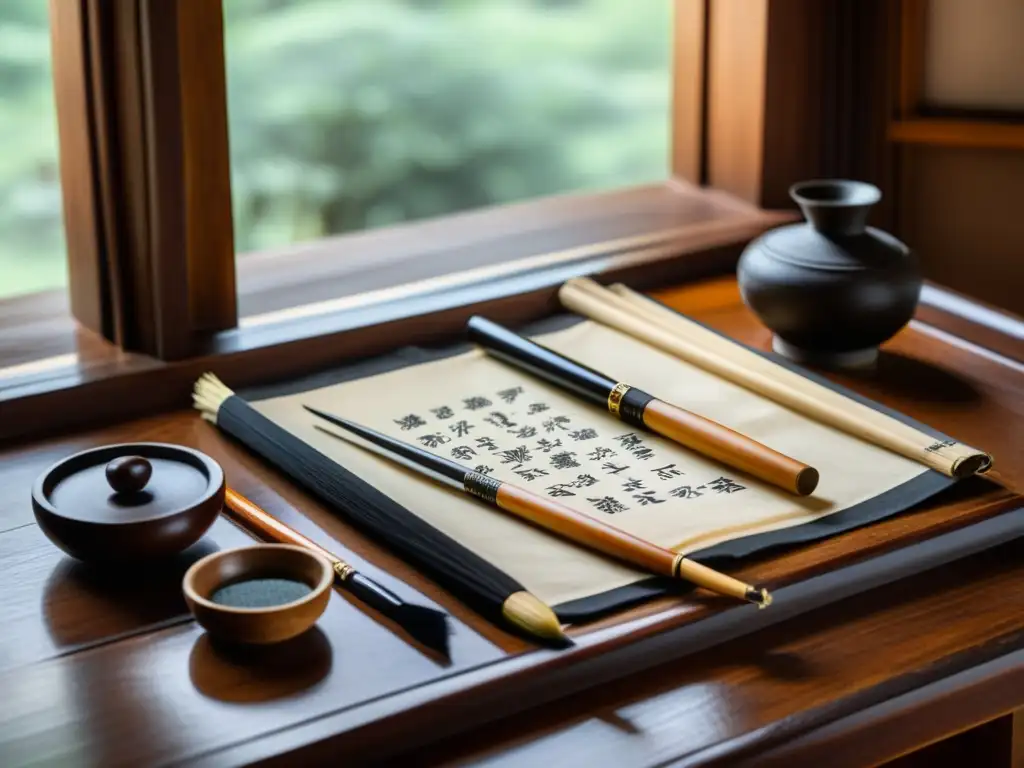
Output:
x,y
110,670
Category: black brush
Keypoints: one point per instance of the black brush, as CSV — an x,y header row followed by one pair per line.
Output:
x,y
481,585
425,625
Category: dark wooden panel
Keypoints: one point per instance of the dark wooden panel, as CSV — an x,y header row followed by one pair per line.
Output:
x,y
986,746
797,89
912,21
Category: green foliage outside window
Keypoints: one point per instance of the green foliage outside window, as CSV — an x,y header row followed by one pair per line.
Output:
x,y
31,235
350,114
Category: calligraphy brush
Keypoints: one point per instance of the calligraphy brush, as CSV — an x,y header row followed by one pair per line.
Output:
x,y
426,625
636,407
484,587
545,513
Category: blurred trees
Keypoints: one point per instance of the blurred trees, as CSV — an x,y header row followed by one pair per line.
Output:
x,y
31,242
347,114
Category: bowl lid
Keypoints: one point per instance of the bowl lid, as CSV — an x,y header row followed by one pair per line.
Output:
x,y
81,488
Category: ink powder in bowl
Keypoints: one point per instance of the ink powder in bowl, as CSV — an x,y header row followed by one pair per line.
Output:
x,y
260,593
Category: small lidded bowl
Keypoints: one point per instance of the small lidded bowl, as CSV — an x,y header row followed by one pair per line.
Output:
x,y
129,503
260,594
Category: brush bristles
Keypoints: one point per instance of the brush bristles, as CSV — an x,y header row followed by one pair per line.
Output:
x,y
527,612
208,395
425,625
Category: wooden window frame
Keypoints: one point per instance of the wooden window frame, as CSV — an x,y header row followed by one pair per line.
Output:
x,y
915,122
142,124
765,93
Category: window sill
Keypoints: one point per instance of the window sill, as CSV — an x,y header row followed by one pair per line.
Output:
x,y
362,262
315,306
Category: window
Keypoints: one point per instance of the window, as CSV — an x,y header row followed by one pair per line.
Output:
x,y
390,166
31,234
365,113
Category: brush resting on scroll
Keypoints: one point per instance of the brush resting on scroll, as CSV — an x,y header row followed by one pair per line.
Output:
x,y
545,513
636,407
485,587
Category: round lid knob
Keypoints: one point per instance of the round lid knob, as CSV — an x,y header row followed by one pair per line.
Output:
x,y
129,474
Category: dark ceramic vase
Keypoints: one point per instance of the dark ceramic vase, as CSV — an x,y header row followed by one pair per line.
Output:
x,y
832,289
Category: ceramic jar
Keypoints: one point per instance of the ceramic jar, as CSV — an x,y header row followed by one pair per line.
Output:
x,y
832,288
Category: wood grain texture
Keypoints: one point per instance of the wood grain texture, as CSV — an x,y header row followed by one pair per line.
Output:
x,y
1017,747
117,675
56,605
164,296
38,333
721,707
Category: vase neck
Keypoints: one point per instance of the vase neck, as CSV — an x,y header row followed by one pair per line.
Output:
x,y
836,208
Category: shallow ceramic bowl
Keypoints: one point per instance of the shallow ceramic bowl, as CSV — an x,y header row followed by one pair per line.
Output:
x,y
271,624
78,510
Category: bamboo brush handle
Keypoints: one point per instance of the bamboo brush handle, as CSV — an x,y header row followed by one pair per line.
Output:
x,y
614,542
730,447
585,530
259,522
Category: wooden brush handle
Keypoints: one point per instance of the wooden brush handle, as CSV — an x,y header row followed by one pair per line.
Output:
x,y
584,530
730,447
269,528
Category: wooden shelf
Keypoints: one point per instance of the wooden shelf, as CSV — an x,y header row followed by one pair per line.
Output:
x,y
958,133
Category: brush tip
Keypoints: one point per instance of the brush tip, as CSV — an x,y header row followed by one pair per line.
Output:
x,y
427,626
531,615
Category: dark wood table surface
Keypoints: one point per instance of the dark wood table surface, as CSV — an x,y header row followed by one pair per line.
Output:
x,y
108,669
